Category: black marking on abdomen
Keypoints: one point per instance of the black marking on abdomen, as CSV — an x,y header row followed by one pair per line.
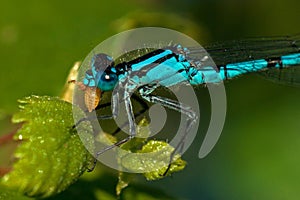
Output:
x,y
225,69
272,62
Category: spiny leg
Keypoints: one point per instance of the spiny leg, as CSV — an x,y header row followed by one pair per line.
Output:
x,y
177,106
140,101
102,117
90,118
144,106
131,122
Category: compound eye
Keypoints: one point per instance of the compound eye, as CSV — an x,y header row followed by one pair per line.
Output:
x,y
109,77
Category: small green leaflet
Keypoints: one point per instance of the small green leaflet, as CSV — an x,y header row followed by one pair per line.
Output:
x,y
51,155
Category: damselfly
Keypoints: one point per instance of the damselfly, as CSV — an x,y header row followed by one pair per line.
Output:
x,y
278,58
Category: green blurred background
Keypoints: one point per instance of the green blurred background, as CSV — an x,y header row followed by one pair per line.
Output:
x,y
257,156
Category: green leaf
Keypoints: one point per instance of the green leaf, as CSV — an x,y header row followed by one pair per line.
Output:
x,y
152,157
8,194
51,156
